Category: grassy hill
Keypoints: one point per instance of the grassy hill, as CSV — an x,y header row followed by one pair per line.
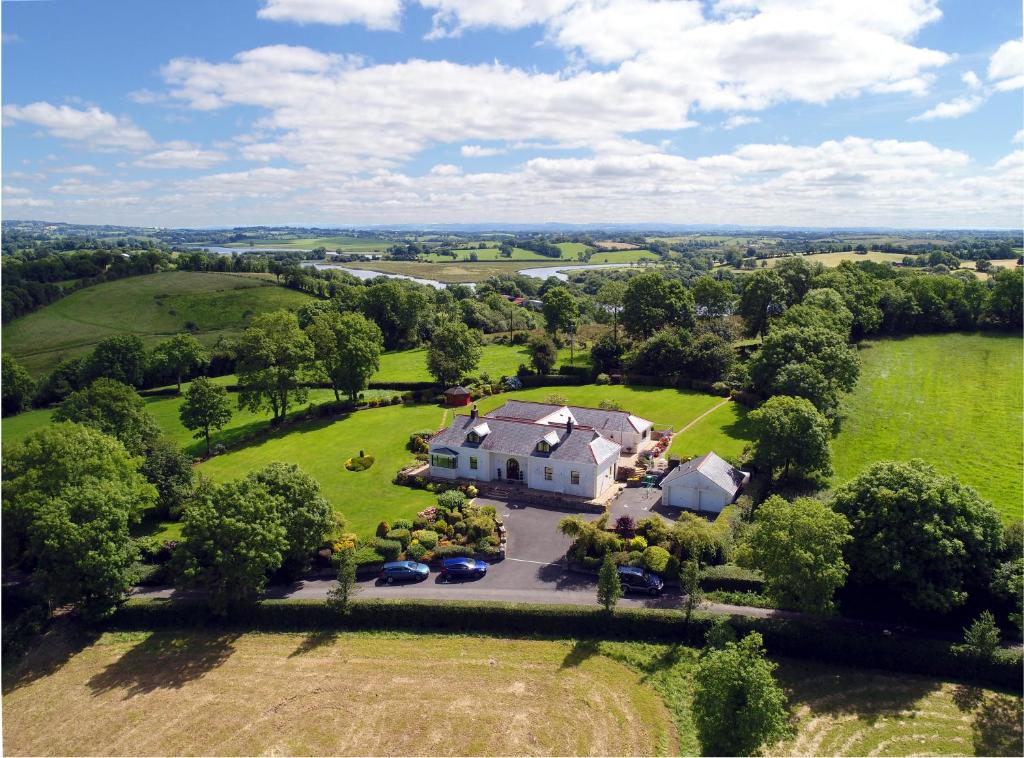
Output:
x,y
153,307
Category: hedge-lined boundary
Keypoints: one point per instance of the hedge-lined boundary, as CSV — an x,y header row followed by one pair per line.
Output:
x,y
814,640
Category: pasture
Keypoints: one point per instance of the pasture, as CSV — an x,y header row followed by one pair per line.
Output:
x,y
153,307
339,243
623,256
453,272
208,693
954,400
497,360
487,254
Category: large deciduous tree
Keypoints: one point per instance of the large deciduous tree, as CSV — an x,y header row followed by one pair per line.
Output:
x,y
347,347
713,298
115,409
609,297
454,352
69,495
789,433
798,547
737,705
178,356
122,358
764,295
206,407
17,386
543,353
169,470
271,353
652,302
231,538
561,310
924,538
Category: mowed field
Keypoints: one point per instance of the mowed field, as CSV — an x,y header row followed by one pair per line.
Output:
x,y
153,307
623,256
208,693
954,400
338,243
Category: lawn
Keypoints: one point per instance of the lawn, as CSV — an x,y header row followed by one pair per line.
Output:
x,y
623,256
954,400
724,430
153,306
170,693
207,693
497,360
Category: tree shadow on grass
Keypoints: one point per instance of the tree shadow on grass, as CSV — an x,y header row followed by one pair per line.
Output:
x,y
581,651
998,720
55,647
315,640
164,660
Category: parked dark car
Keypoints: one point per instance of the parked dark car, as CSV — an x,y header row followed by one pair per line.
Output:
x,y
404,571
453,569
635,579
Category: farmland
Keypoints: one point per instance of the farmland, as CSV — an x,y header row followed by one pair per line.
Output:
x,y
452,272
153,307
182,693
623,256
341,243
953,400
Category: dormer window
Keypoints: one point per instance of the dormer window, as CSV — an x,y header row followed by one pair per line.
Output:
x,y
547,442
478,432
543,446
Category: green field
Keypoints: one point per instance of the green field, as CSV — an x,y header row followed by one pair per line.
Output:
x,y
338,243
453,272
954,400
153,306
177,692
497,360
623,256
489,254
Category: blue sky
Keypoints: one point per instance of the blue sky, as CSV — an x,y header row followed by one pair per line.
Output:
x,y
811,112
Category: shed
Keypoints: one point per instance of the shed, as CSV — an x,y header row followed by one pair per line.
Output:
x,y
707,484
455,396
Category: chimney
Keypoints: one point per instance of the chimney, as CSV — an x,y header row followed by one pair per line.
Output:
x,y
568,425
472,412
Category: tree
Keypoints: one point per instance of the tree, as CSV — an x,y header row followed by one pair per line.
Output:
x,y
304,513
206,407
543,353
121,358
652,302
179,355
115,409
1006,300
69,495
168,469
454,352
764,295
712,298
924,538
1008,584
606,354
798,547
348,348
398,308
661,354
561,310
270,354
821,308
811,362
609,588
340,596
789,432
689,585
17,386
708,356
231,537
981,638
610,297
737,705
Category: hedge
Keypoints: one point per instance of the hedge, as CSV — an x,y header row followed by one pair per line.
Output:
x,y
731,578
404,386
819,640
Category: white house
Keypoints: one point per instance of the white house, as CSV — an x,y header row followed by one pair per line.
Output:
x,y
703,484
545,447
622,428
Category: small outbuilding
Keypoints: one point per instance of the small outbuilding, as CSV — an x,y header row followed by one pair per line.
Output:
x,y
456,396
705,484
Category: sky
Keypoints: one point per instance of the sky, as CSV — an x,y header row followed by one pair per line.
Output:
x,y
823,113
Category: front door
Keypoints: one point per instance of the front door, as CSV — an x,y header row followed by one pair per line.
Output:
x,y
512,470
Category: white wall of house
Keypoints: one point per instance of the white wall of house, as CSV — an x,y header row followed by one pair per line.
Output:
x,y
695,492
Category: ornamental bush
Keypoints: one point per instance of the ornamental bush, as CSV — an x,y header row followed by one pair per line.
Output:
x,y
389,549
452,551
452,500
403,536
656,559
401,523
426,537
415,551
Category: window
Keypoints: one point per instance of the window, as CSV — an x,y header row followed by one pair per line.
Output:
x,y
443,461
473,437
574,477
548,474
472,462
543,446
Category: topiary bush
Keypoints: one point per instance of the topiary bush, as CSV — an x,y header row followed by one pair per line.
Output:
x,y
401,535
637,543
389,549
359,463
383,528
452,500
452,551
426,537
401,523
415,551
656,559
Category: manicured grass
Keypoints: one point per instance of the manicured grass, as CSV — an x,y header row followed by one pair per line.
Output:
x,y
954,400
153,307
623,256
453,272
497,360
170,693
725,431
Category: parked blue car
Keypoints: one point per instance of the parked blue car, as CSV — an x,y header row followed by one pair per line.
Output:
x,y
404,571
635,579
453,569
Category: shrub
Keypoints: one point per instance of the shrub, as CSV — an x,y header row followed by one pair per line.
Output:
x,y
383,528
401,523
637,543
656,559
389,549
602,379
415,552
453,500
591,563
732,578
366,555
420,522
625,526
472,491
426,537
403,536
452,551
489,551
359,463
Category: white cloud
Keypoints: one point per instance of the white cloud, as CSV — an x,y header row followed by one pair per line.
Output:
x,y
734,122
374,14
479,151
1006,66
445,169
81,168
955,108
181,155
93,126
971,80
1019,136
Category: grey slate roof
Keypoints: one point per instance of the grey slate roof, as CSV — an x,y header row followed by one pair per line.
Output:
x,y
520,437
719,471
595,418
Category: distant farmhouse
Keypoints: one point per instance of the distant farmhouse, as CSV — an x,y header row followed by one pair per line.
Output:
x,y
564,449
